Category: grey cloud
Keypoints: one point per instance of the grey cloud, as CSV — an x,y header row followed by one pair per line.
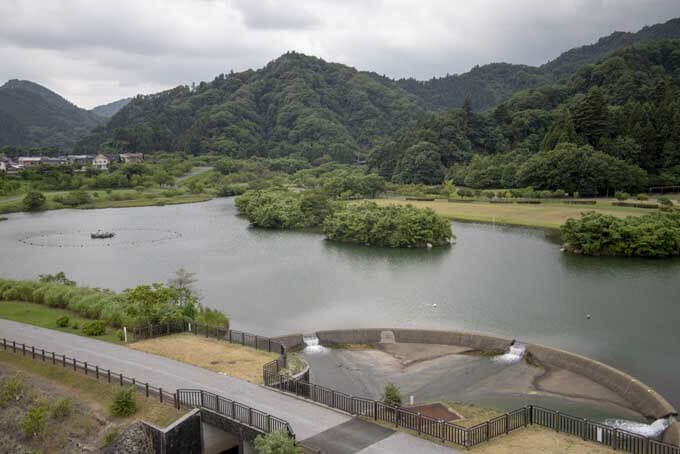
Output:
x,y
95,52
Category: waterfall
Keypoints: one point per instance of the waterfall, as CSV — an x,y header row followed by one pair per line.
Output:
x,y
312,344
514,354
652,430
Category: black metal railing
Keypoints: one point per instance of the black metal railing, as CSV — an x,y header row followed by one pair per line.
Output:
x,y
256,419
467,437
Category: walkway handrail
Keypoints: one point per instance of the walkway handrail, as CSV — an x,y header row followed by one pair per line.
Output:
x,y
618,439
243,414
189,398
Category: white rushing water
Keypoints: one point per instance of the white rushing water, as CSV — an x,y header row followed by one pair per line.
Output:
x,y
652,430
514,354
312,344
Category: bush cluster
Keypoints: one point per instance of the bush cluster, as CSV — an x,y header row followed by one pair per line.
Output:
x,y
651,235
95,328
124,402
388,226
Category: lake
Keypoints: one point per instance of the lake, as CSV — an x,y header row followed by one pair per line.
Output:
x,y
506,281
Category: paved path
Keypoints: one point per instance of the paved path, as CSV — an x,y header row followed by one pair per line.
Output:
x,y
325,428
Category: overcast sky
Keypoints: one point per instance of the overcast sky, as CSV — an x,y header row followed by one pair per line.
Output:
x,y
96,51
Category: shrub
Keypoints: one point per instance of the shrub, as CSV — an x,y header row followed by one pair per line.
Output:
x,y
665,201
10,390
276,443
33,424
63,321
75,325
124,403
621,195
110,436
95,328
650,235
642,197
34,201
387,226
559,193
120,335
62,408
392,395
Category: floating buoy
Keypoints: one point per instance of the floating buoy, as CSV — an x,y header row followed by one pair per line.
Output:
x,y
434,305
588,316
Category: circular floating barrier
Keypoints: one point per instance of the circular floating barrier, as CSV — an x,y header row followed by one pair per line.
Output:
x,y
82,238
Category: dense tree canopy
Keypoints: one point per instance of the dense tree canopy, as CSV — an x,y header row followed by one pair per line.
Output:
x,y
652,235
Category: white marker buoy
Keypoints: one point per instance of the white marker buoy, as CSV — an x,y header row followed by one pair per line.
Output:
x,y
434,305
588,316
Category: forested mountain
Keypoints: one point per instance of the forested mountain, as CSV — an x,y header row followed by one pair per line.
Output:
x,y
33,116
627,107
110,109
488,85
296,105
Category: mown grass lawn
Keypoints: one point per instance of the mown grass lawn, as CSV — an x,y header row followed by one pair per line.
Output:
x,y
549,214
46,317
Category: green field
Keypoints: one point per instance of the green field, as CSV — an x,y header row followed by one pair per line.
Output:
x,y
548,214
45,317
104,199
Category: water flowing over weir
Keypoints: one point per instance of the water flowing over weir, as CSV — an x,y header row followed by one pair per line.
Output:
x,y
312,345
514,354
653,430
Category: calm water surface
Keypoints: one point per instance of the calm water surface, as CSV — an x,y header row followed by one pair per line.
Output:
x,y
507,281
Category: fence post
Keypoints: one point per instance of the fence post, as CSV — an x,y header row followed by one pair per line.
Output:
x,y
63,360
269,423
507,423
14,347
487,431
201,398
175,402
23,349
419,422
615,439
333,398
108,375
250,416
557,421
96,371
85,367
32,352
230,337
442,435
4,343
134,383
43,354
160,394
121,379
256,342
585,428
531,414
270,345
396,416
54,359
375,410
74,364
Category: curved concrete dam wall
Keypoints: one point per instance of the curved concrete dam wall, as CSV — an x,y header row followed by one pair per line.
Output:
x,y
642,397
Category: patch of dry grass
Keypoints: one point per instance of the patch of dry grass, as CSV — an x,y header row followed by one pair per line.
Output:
x,y
550,214
216,355
471,415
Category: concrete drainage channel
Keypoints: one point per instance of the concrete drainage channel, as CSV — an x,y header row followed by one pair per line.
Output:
x,y
645,400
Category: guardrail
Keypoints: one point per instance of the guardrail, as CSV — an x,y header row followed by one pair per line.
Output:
x,y
187,398
445,431
231,409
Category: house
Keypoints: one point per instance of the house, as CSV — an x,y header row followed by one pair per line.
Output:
x,y
131,158
101,162
80,159
56,161
27,161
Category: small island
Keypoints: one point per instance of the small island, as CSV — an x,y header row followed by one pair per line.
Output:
x,y
650,235
366,223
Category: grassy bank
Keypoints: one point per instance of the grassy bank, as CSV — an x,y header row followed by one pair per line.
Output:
x,y
118,198
46,317
234,360
548,214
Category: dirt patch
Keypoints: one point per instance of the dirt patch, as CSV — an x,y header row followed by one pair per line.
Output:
x,y
216,355
567,383
436,411
409,354
538,440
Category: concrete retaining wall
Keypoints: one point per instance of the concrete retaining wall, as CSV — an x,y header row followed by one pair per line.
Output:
x,y
642,397
181,437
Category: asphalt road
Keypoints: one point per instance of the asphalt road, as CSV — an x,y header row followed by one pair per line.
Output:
x,y
327,429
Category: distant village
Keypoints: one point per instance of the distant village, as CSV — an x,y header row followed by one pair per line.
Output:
x,y
99,161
